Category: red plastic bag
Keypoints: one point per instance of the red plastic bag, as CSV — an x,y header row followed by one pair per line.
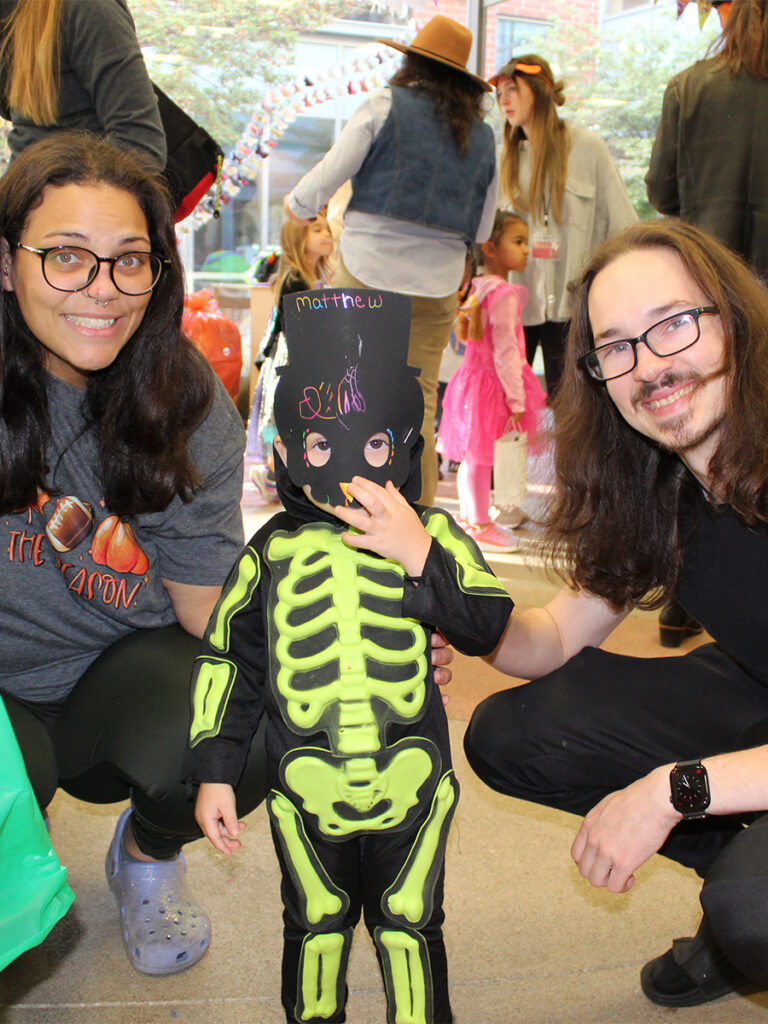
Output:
x,y
216,336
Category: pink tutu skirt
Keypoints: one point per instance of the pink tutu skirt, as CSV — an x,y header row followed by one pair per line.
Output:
x,y
475,411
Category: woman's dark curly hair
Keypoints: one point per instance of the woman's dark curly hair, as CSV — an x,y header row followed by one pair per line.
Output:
x,y
458,99
146,404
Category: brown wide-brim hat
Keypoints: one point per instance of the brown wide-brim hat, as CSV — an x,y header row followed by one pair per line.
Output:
x,y
444,40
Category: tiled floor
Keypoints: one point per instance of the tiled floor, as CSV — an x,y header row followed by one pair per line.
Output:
x,y
528,940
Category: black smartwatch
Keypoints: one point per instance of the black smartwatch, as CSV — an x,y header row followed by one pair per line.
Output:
x,y
689,785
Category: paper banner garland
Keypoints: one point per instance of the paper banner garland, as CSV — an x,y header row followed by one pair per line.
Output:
x,y
705,6
280,106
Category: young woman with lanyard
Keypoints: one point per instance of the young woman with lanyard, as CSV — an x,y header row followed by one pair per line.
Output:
x,y
563,180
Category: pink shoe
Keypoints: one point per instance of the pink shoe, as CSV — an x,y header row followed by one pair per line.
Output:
x,y
490,537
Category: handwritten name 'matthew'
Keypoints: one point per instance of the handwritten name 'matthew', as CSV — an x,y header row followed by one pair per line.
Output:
x,y
338,300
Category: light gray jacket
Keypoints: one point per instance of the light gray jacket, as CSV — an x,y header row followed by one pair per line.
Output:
x,y
595,206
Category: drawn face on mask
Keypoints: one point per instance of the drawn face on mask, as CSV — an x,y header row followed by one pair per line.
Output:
x,y
348,404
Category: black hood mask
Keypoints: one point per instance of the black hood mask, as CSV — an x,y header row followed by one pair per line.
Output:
x,y
347,379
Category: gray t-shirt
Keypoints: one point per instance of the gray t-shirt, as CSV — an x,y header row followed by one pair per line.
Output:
x,y
74,578
103,82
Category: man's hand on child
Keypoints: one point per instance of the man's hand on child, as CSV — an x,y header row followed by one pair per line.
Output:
x,y
216,814
442,656
387,524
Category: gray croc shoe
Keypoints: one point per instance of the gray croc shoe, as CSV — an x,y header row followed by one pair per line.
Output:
x,y
164,930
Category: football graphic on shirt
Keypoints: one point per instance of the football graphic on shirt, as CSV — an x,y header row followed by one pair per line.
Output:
x,y
70,524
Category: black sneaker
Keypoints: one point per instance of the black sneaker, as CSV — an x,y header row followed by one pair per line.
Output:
x,y
675,624
691,973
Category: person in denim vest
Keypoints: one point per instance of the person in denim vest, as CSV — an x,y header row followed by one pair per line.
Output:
x,y
424,184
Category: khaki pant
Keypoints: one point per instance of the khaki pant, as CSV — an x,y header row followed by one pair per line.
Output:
x,y
431,323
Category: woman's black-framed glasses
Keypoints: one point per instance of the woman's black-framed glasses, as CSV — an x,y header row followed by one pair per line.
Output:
x,y
69,268
669,336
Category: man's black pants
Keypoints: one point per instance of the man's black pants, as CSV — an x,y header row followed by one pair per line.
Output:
x,y
604,720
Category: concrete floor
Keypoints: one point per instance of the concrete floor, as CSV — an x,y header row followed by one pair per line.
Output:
x,y
528,940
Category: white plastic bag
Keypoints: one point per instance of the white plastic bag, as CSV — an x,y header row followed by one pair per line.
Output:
x,y
510,469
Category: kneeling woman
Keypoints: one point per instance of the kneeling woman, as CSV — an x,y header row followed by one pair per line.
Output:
x,y
120,484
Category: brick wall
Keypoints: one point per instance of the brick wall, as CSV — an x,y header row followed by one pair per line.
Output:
x,y
586,12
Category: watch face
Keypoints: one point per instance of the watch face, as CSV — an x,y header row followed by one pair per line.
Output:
x,y
690,789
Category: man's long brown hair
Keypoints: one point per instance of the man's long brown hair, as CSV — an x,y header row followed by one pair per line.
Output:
x,y
614,520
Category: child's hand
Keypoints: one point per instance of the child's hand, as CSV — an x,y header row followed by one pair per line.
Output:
x,y
216,814
513,423
461,327
387,523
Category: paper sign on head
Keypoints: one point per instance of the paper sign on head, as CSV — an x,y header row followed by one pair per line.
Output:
x,y
347,403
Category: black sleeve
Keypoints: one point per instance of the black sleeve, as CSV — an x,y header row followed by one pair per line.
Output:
x,y
228,679
661,181
293,282
457,592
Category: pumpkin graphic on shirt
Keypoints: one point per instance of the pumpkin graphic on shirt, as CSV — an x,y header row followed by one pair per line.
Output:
x,y
114,545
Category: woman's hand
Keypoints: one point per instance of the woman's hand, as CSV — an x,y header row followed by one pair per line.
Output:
x,y
216,814
387,524
624,830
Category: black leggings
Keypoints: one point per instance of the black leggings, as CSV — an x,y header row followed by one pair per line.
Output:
x,y
122,733
604,720
551,336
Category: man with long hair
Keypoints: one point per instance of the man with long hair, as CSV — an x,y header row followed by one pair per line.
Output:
x,y
662,487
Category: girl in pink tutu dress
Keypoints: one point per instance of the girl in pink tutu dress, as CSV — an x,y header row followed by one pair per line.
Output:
x,y
494,390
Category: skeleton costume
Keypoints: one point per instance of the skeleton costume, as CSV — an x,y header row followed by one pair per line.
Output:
x,y
332,643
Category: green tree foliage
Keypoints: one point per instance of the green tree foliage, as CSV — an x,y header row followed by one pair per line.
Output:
x,y
626,104
216,58
616,88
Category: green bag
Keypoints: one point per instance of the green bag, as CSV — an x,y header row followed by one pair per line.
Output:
x,y
34,893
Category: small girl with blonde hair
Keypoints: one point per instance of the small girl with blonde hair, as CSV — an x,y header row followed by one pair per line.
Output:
x,y
305,262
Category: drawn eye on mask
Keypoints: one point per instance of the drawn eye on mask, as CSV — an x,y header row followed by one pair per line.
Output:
x,y
379,449
317,449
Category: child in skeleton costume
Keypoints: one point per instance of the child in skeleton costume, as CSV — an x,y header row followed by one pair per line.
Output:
x,y
325,626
